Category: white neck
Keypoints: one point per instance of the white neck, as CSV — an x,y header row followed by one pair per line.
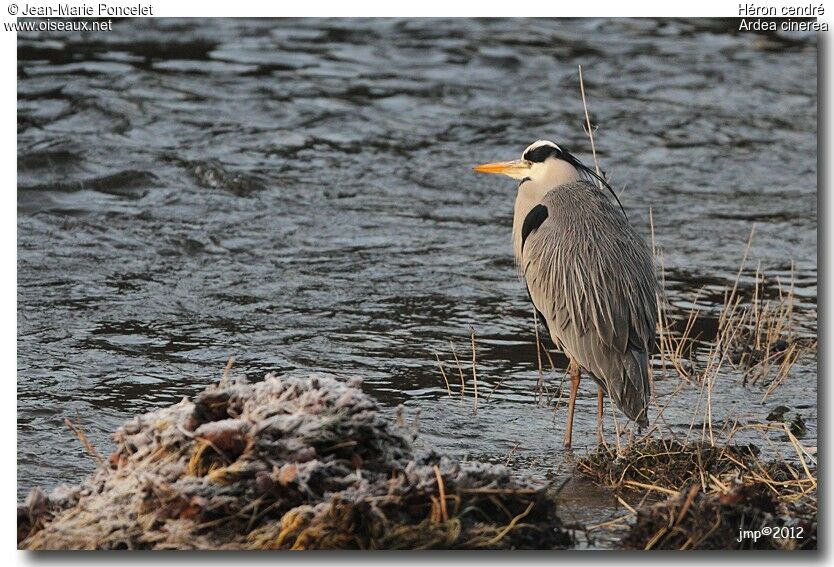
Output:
x,y
543,177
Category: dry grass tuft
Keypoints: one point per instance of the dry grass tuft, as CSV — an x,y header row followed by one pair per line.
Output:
x,y
663,465
711,493
756,334
692,519
759,336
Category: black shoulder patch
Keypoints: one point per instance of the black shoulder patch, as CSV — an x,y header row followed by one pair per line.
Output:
x,y
532,221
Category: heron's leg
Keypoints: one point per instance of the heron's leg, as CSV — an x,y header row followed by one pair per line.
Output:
x,y
574,387
600,417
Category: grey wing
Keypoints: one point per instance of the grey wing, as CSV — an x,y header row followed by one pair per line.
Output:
x,y
592,277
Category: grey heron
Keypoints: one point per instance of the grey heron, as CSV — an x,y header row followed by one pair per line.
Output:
x,y
590,275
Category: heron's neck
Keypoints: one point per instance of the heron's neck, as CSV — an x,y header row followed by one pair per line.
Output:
x,y
544,177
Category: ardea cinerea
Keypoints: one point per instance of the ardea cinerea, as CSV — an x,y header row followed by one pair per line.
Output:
x,y
590,275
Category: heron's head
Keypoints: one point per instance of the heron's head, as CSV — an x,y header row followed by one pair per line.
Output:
x,y
541,161
545,165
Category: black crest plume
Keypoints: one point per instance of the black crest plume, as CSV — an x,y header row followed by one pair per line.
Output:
x,y
542,152
590,175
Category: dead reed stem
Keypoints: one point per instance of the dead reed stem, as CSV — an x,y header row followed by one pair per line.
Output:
x,y
588,128
510,454
85,441
474,364
460,370
561,381
441,488
443,373
728,301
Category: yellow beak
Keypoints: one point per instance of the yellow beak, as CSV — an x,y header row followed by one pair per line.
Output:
x,y
516,169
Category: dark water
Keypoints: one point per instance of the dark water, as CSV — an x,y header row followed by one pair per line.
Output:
x,y
299,194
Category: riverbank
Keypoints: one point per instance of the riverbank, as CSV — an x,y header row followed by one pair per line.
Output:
x,y
310,463
297,463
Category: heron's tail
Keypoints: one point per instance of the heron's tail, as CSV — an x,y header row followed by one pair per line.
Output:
x,y
634,394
